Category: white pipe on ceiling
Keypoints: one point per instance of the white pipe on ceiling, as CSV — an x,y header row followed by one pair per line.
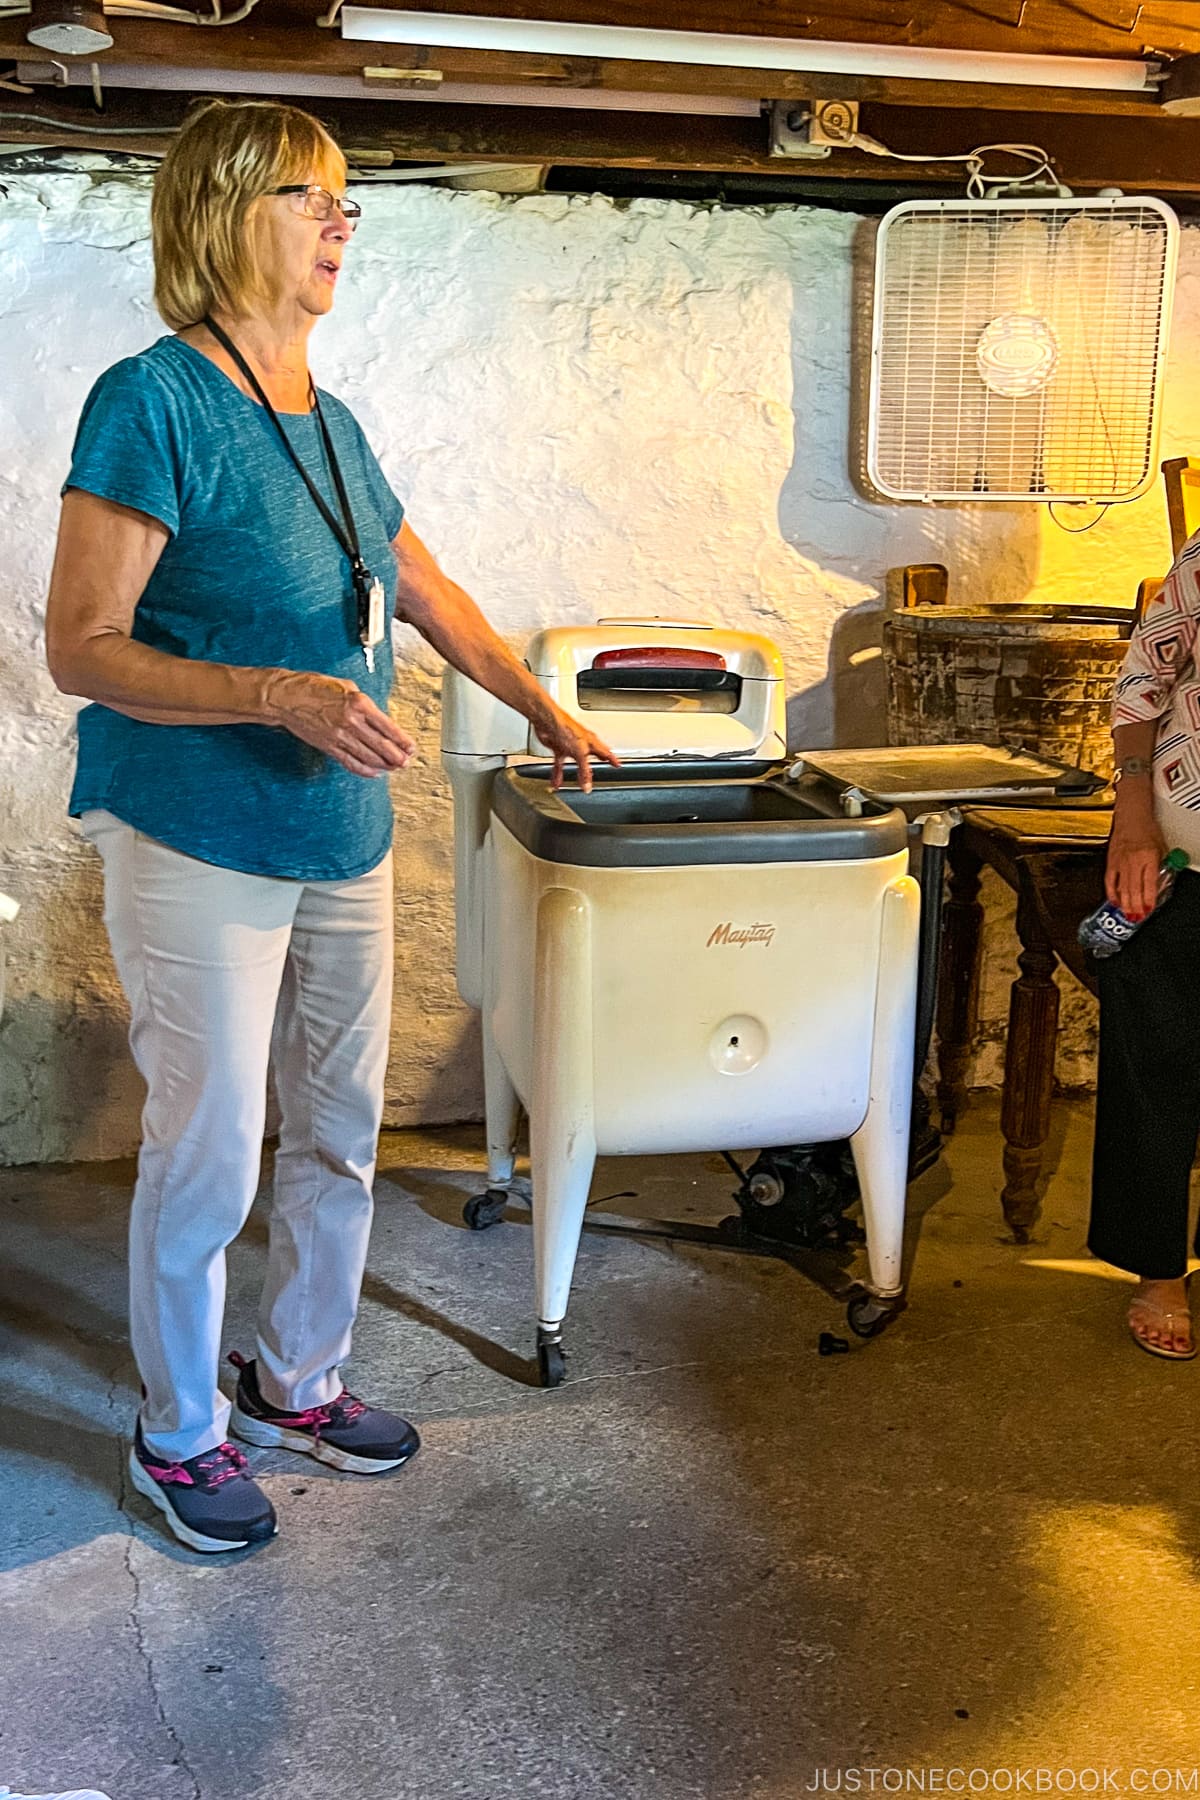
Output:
x,y
353,87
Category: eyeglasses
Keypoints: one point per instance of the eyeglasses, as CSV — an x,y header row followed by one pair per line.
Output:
x,y
320,204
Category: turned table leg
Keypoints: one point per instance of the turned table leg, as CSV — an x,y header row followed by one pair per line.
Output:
x,y
958,986
1028,1069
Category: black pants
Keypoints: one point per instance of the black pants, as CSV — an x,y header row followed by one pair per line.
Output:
x,y
1148,1093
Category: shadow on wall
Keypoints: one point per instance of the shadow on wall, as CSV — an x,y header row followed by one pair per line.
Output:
x,y
68,1087
850,706
435,1070
446,1089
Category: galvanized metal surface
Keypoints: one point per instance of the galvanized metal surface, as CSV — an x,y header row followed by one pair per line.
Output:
x,y
1041,683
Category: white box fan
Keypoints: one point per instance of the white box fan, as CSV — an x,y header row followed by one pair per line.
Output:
x,y
1018,348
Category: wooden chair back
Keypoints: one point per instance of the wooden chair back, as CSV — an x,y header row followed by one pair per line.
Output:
x,y
1181,477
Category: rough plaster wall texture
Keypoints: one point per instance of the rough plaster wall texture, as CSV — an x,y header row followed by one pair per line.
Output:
x,y
590,408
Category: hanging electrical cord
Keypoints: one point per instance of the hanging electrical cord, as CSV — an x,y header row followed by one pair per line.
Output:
x,y
150,9
141,131
979,185
1078,530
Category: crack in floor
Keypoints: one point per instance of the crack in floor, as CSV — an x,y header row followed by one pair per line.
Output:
x,y
179,1757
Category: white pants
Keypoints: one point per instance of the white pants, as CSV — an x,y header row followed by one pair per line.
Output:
x,y
227,974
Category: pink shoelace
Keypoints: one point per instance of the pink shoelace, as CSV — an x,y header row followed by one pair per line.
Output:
x,y
342,1411
224,1464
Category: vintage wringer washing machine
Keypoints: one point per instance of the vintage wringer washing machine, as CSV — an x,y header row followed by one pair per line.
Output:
x,y
700,954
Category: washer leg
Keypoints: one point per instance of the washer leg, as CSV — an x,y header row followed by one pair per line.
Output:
x,y
881,1143
502,1110
562,1137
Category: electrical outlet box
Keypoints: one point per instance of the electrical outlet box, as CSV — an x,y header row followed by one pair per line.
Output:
x,y
834,122
791,131
810,130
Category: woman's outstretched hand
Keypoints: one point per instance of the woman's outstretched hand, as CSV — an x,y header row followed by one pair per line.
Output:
x,y
570,742
337,717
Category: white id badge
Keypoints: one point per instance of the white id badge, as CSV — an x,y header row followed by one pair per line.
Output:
x,y
375,611
374,628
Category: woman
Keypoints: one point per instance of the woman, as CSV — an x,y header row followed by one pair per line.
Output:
x,y
228,556
1148,1096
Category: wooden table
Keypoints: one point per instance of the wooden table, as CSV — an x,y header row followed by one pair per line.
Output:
x,y
1053,859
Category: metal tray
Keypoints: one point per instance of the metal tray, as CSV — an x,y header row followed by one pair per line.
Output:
x,y
947,774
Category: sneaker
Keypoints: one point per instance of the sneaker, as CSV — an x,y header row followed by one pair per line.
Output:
x,y
211,1502
345,1433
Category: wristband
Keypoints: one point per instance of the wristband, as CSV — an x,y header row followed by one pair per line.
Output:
x,y
1133,765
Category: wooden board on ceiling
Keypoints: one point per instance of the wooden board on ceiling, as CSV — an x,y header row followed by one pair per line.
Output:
x,y
1040,27
1162,155
273,49
271,42
282,38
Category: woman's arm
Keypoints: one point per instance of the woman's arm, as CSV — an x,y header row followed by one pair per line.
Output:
x,y
105,556
1162,645
449,619
1136,847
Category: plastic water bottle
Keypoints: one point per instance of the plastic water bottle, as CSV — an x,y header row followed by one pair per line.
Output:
x,y
1108,929
75,1794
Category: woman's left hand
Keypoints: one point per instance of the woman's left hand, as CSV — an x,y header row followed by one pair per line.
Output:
x,y
570,742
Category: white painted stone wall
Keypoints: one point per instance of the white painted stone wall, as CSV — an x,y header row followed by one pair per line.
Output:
x,y
590,408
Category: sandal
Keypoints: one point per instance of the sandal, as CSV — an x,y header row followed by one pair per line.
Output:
x,y
1144,1312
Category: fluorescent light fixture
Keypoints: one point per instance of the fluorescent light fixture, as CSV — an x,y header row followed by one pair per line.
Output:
x,y
535,37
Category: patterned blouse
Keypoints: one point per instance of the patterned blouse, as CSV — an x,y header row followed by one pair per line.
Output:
x,y
1159,680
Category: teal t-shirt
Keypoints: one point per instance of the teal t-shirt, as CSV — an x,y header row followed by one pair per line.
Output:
x,y
251,575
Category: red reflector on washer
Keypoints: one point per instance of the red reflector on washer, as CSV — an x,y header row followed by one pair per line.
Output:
x,y
664,657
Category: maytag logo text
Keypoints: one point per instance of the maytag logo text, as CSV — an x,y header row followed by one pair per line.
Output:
x,y
741,935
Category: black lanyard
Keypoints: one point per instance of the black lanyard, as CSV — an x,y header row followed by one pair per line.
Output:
x,y
345,530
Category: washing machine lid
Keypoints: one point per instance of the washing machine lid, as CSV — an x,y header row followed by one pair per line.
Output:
x,y
953,774
661,820
661,688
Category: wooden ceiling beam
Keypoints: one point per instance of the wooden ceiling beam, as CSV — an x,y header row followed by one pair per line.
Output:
x,y
1181,91
265,48
1160,156
1046,27
417,132
1088,152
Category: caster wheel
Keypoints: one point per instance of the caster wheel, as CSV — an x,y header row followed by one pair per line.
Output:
x,y
485,1209
552,1364
867,1317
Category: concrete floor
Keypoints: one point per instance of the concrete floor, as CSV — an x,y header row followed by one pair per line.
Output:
x,y
715,1564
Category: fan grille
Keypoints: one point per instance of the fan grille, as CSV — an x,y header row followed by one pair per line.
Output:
x,y
1018,348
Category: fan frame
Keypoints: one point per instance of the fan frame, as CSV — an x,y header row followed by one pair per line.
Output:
x,y
1113,205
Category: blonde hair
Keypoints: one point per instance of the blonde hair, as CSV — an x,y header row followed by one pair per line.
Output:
x,y
226,157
